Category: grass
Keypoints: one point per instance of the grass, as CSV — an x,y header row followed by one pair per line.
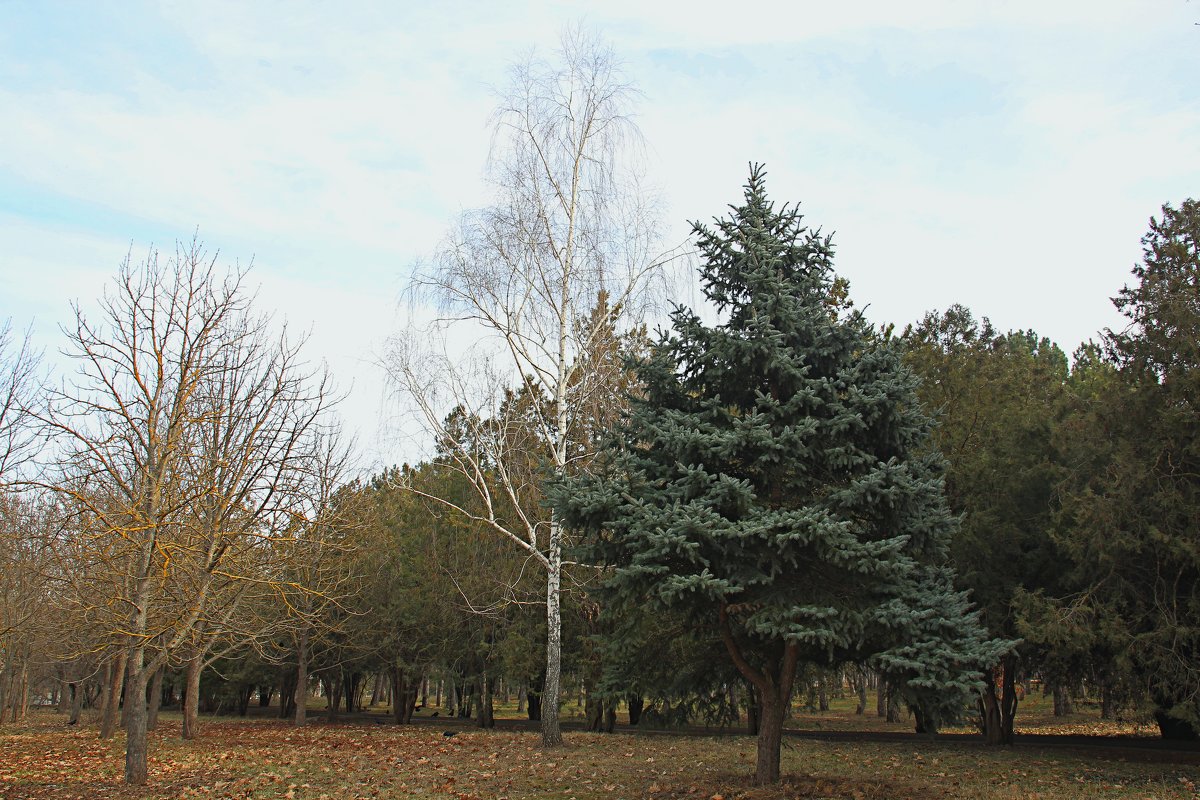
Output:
x,y
259,758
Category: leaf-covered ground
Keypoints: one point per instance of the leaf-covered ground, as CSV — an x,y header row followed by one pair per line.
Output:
x,y
42,758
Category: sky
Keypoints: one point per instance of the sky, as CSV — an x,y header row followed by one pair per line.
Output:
x,y
1005,156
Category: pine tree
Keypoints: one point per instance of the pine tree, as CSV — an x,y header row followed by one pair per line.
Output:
x,y
772,481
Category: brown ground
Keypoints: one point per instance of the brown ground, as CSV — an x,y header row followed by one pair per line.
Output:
x,y
264,758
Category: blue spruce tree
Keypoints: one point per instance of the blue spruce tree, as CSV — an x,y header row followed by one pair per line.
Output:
x,y
773,480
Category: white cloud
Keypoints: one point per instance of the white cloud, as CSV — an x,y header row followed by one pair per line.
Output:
x,y
335,144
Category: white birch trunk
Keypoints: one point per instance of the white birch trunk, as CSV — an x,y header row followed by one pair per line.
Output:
x,y
551,732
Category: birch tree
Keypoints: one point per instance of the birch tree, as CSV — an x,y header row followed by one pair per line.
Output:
x,y
570,223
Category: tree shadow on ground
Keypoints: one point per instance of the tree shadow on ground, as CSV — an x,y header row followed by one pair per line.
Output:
x,y
795,787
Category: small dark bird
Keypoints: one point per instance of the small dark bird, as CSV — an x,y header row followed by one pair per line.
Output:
x,y
448,734
434,714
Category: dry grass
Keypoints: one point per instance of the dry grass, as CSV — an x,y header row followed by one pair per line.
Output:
x,y
268,759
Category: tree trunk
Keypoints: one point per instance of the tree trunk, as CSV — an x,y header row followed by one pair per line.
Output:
x,y
20,698
409,702
636,703
1106,701
4,682
287,693
467,696
862,694
404,695
377,690
155,698
245,691
135,703
487,715
533,698
610,717
1062,701
989,714
301,678
114,685
65,695
770,737
1008,697
753,710
191,697
997,712
135,724
333,696
168,695
893,707
593,714
125,699
1175,729
881,697
924,724
77,692
351,683
397,679
551,732
774,693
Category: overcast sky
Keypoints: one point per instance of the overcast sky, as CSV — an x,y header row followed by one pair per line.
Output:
x,y
1006,156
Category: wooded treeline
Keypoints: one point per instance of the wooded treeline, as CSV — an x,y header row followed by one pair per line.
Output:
x,y
200,540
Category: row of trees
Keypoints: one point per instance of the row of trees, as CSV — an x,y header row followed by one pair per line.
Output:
x,y
679,495
1004,404
1076,480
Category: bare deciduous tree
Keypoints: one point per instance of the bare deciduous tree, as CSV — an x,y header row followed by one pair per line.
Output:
x,y
26,609
255,428
316,573
19,383
21,599
176,441
570,227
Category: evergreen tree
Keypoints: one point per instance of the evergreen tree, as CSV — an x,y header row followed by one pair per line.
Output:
x,y
999,399
772,481
1133,499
